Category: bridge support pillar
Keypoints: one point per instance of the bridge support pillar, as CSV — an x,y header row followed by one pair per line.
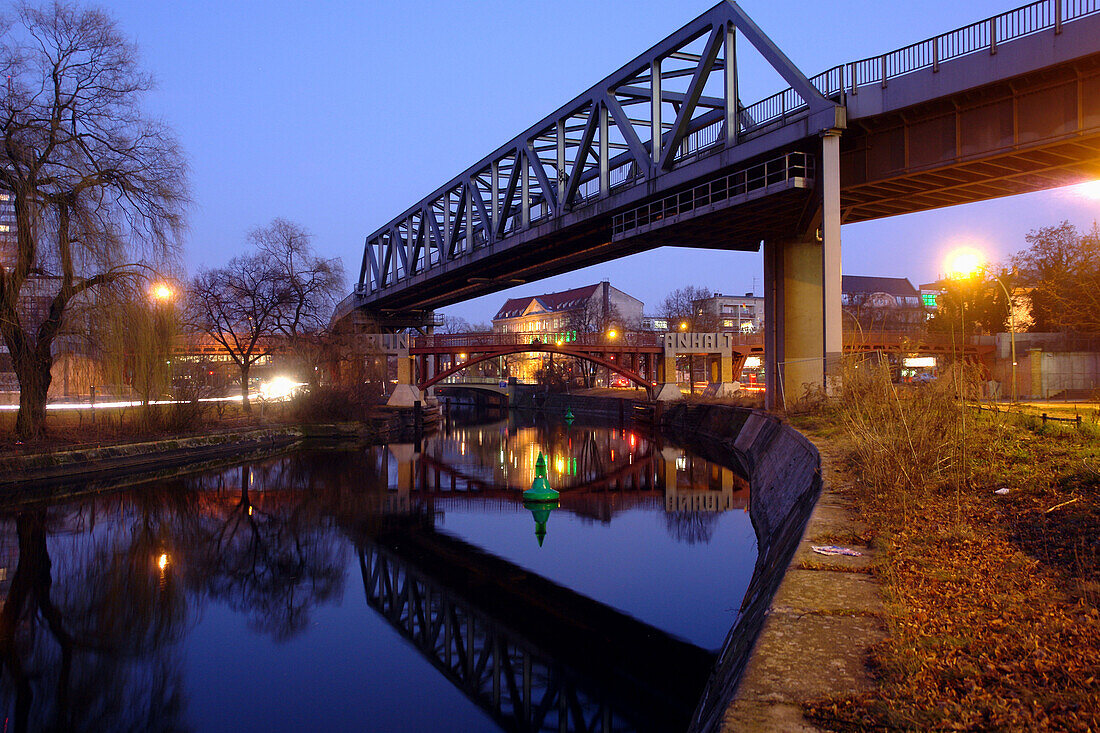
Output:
x,y
669,390
721,377
802,285
405,393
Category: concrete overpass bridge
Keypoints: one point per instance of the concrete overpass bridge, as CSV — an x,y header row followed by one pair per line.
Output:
x,y
664,152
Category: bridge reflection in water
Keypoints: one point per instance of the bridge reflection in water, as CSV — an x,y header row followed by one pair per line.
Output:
x,y
102,596
532,654
496,462
535,655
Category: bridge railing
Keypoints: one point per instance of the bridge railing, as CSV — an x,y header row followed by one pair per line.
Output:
x,y
902,339
927,54
485,340
738,183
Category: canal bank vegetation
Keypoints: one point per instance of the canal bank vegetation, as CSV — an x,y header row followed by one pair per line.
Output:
x,y
985,526
68,429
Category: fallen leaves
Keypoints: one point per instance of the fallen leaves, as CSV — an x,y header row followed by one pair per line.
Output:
x,y
988,625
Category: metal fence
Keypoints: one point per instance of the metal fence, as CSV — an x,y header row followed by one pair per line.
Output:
x,y
490,340
738,183
984,35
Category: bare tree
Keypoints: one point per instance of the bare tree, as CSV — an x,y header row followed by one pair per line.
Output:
x,y
592,317
312,286
98,188
239,307
281,292
453,324
1062,268
679,307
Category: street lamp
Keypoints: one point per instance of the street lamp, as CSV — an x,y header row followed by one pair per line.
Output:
x,y
683,325
612,334
163,292
965,263
1011,333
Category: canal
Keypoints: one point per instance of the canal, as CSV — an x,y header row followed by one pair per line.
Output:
x,y
396,588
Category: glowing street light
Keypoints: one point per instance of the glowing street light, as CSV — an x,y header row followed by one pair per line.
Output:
x,y
612,334
162,561
683,325
966,263
163,292
1089,190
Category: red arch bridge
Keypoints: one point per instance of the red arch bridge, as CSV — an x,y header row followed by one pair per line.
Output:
x,y
646,359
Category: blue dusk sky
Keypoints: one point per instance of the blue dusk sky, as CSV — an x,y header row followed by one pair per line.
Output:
x,y
339,115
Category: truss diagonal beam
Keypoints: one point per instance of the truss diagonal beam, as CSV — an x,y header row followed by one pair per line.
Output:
x,y
626,129
582,155
535,162
778,60
691,98
543,170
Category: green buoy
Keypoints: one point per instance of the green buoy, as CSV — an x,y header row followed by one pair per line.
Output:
x,y
540,510
540,488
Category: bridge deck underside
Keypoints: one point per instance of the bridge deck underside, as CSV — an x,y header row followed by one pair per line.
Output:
x,y
1027,134
739,228
497,267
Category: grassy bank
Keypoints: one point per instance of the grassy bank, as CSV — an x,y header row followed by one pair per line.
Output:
x,y
992,599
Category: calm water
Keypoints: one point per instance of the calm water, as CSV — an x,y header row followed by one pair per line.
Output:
x,y
382,589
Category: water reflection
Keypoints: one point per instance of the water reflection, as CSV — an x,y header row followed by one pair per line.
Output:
x,y
600,472
103,597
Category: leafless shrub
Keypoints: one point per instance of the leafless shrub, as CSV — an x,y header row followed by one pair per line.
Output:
x,y
332,403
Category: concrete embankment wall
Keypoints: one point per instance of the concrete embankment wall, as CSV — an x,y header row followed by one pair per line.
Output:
x,y
607,408
784,471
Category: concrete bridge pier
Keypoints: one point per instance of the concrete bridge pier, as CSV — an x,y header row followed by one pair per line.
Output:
x,y
669,389
721,371
802,285
405,393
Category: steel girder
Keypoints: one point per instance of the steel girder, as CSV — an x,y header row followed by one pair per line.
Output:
x,y
649,117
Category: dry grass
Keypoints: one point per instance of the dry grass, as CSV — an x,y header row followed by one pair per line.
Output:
x,y
992,601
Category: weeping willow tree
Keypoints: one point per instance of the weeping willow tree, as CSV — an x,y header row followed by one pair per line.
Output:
x,y
98,189
133,335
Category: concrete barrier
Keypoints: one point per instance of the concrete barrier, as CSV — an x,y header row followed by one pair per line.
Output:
x,y
784,471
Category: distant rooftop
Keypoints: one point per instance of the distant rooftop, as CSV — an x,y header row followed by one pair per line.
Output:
x,y
552,302
898,286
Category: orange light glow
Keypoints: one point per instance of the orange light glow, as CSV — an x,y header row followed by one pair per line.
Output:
x,y
1090,190
964,263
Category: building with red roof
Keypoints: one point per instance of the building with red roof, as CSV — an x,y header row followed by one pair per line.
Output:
x,y
580,310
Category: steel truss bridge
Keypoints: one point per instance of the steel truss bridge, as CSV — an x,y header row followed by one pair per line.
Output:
x,y
535,656
665,152
1002,106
